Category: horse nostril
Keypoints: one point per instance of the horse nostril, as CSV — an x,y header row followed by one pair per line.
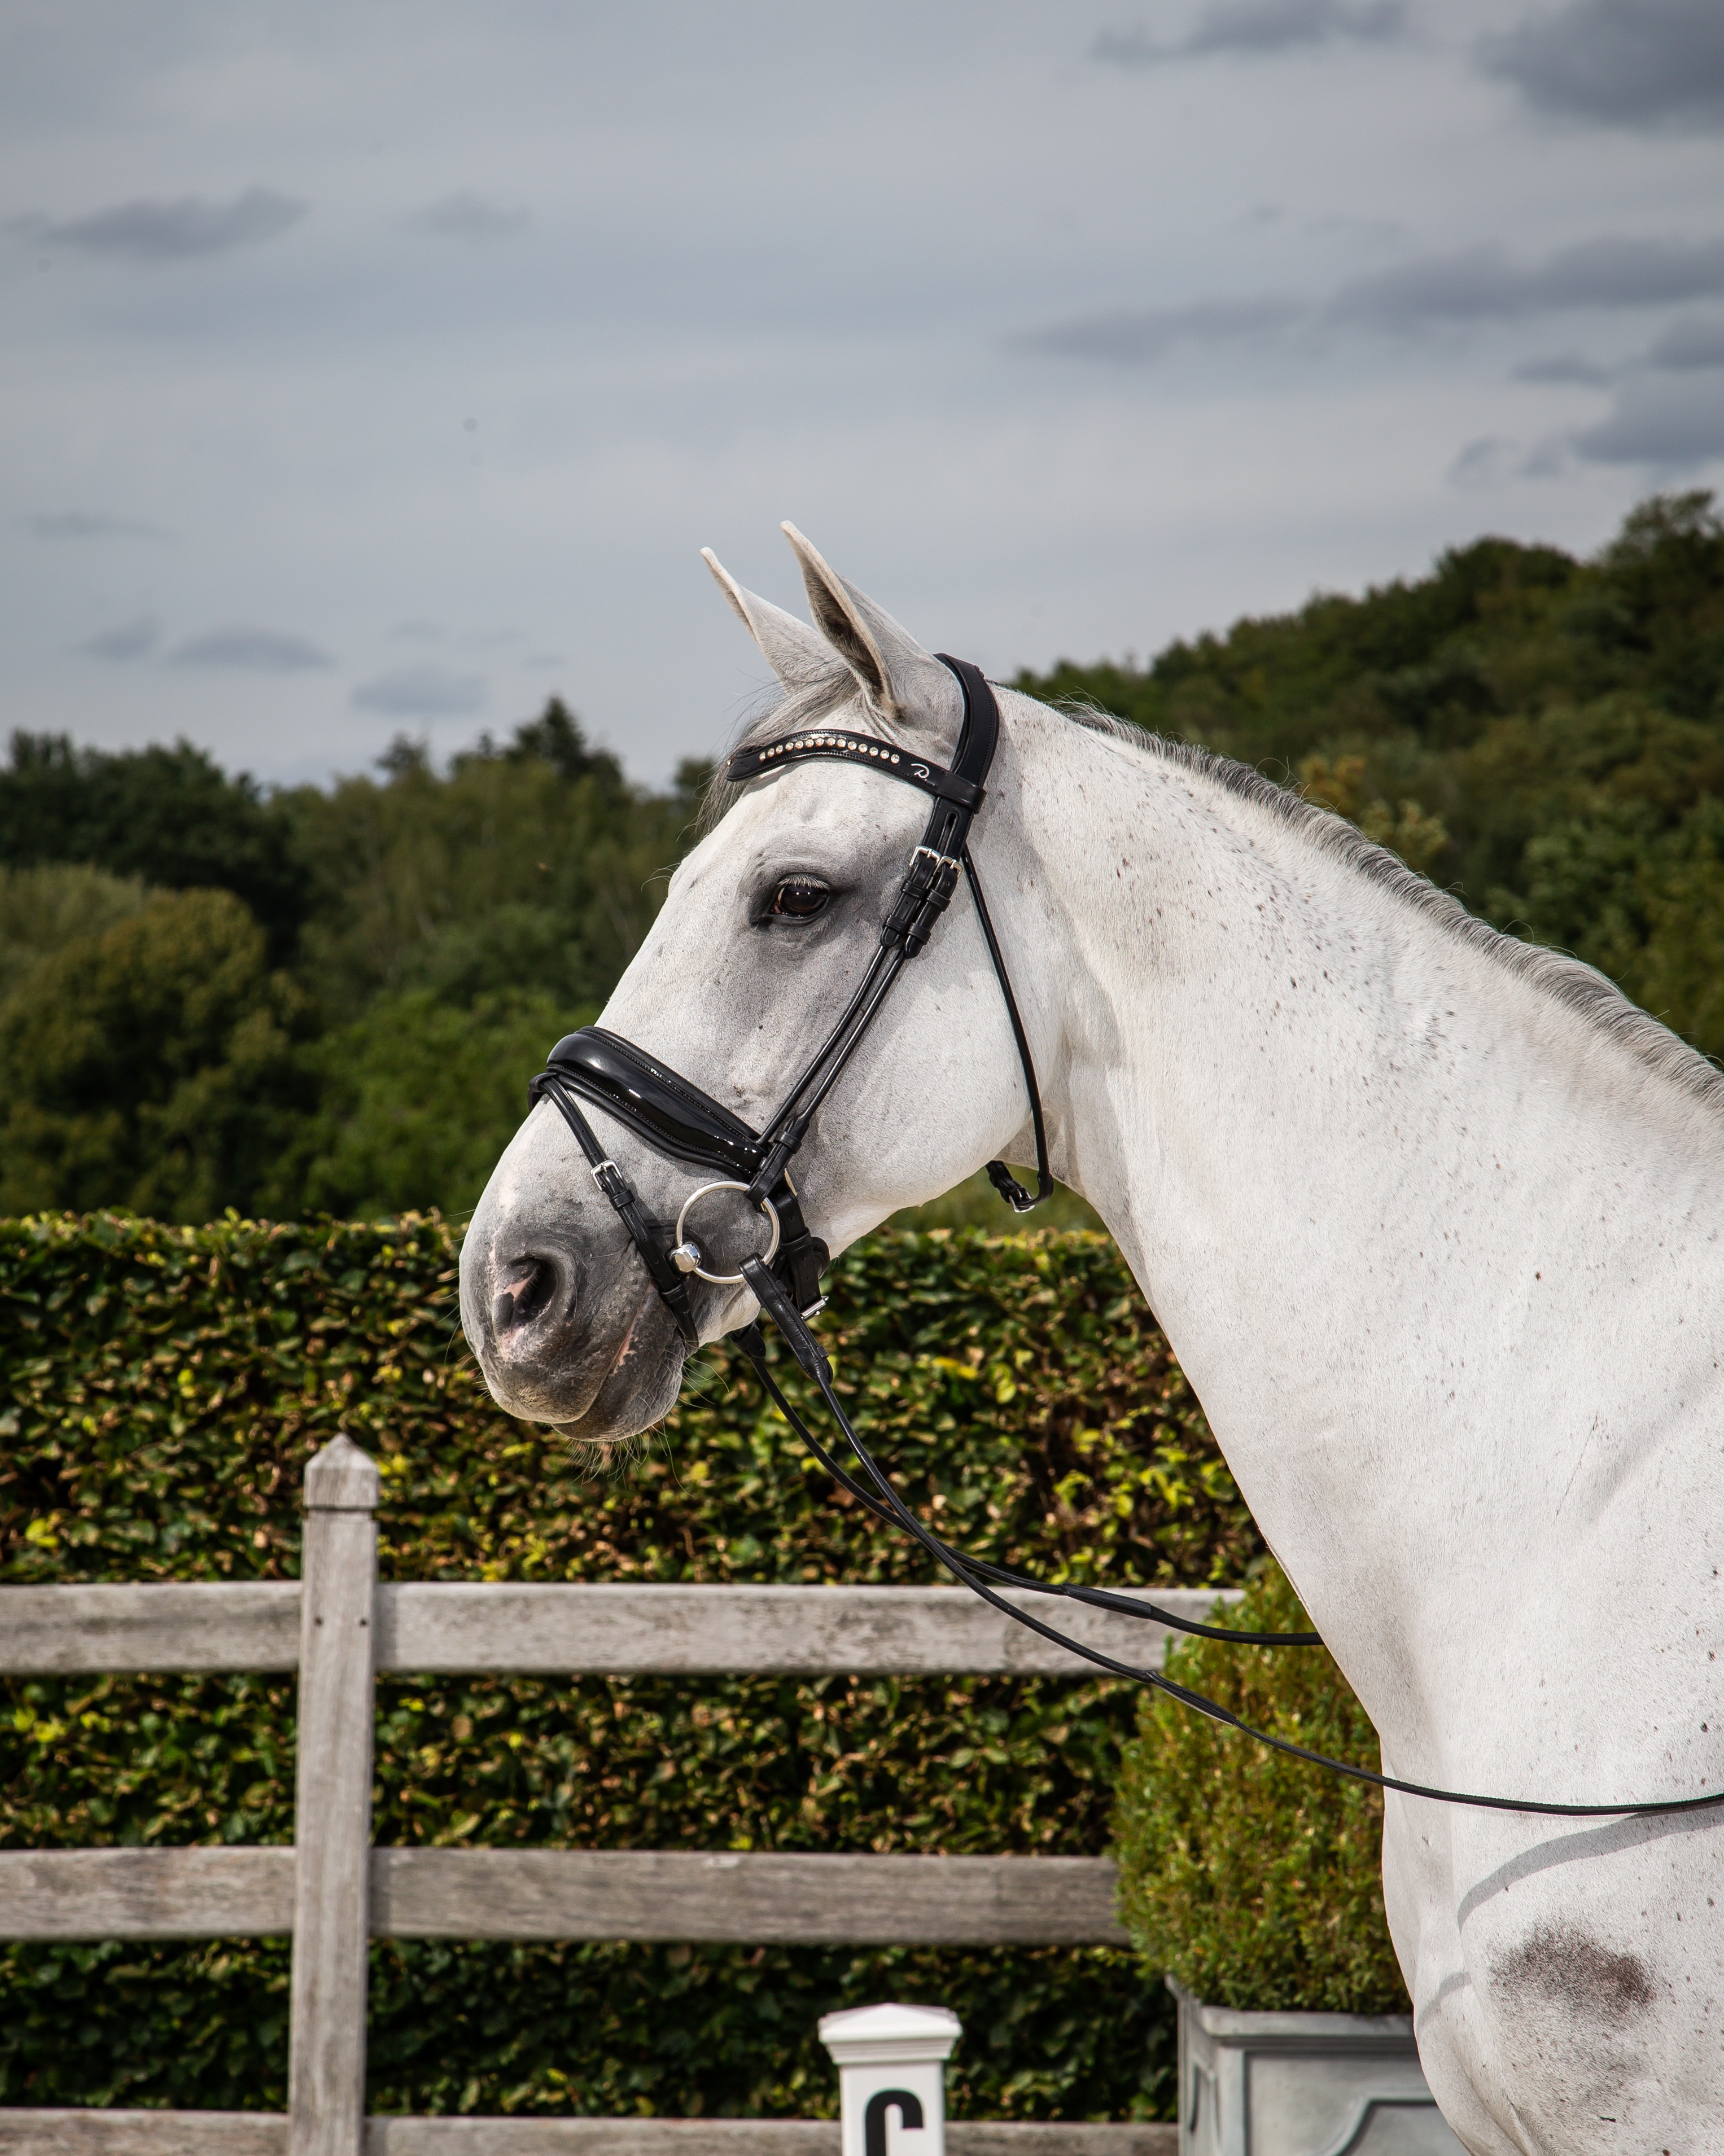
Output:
x,y
528,1300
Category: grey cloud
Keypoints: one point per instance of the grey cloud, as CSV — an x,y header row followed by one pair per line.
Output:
x,y
1482,283
1634,63
83,524
1545,459
1255,26
1477,281
145,231
1564,367
130,640
1133,337
257,650
421,692
1693,340
1484,462
1669,424
466,216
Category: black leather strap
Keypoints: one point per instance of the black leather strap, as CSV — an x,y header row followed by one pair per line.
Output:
x,y
922,898
958,787
673,1115
999,1174
645,1233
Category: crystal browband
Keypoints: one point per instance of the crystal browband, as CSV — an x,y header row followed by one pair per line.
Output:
x,y
933,778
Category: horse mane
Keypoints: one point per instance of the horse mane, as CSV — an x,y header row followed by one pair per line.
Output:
x,y
1569,981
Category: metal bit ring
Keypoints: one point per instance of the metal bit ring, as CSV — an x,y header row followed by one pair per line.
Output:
x,y
700,1272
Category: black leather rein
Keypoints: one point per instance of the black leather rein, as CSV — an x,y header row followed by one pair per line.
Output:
x,y
676,1118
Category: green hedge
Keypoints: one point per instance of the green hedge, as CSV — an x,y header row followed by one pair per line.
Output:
x,y
1243,1915
164,1387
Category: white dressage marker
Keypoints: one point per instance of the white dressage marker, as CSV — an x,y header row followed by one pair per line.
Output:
x,y
1431,1220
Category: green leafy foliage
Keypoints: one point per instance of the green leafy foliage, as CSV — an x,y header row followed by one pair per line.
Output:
x,y
440,930
43,909
1543,736
164,1387
1253,1878
169,816
152,1060
533,867
417,1094
591,2029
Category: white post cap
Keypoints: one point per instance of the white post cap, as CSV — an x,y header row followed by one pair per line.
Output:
x,y
890,2036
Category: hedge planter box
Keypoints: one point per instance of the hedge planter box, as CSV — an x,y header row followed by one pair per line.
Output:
x,y
1303,2085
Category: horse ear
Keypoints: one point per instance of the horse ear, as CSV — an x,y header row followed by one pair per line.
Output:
x,y
791,648
901,680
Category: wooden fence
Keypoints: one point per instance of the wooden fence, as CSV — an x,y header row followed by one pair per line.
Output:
x,y
333,1891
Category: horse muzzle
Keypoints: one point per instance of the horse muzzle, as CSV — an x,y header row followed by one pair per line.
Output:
x,y
568,1327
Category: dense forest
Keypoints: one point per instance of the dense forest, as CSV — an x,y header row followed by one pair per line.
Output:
x,y
315,999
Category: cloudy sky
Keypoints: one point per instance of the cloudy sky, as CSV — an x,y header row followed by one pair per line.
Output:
x,y
375,368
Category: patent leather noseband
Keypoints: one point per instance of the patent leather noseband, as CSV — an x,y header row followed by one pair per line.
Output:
x,y
675,1117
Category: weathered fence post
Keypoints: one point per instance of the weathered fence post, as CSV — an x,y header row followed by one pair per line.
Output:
x,y
326,2098
892,2071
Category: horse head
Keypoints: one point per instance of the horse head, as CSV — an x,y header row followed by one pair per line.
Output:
x,y
769,926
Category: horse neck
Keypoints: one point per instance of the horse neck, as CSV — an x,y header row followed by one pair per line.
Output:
x,y
1363,1171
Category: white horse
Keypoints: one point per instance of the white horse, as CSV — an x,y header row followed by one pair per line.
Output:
x,y
1432,1220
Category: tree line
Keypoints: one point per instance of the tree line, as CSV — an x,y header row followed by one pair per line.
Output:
x,y
308,999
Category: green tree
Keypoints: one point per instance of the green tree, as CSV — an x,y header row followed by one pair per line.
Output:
x,y
43,909
1676,971
556,737
1539,733
169,815
151,1064
417,1099
532,868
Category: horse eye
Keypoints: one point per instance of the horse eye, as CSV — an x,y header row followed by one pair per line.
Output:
x,y
799,898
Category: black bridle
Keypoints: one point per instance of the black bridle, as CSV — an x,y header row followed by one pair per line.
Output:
x,y
676,1118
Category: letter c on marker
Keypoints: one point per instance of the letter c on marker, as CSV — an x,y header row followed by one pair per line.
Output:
x,y
909,2114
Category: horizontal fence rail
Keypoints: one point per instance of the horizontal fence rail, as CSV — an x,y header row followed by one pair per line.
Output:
x,y
265,2133
738,1900
429,1628
333,1890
